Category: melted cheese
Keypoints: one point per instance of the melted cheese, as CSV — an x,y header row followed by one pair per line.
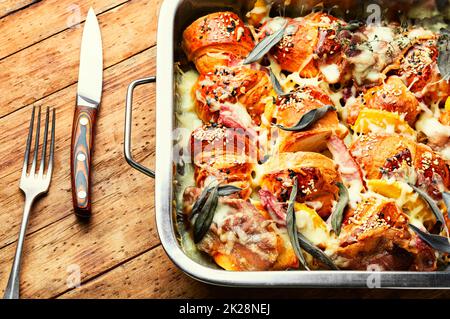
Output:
x,y
295,78
331,73
445,153
221,213
405,198
276,24
436,132
185,112
311,225
354,193
187,121
381,47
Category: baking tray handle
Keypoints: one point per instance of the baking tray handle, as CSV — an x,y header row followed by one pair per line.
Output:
x,y
128,111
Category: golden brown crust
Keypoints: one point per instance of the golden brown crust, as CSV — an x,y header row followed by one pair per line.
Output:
x,y
224,153
216,39
417,67
331,46
376,234
444,118
316,175
231,85
371,152
393,96
419,70
295,52
376,71
309,43
394,155
432,169
290,109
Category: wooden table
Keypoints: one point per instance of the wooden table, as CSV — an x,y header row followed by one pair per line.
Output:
x,y
118,253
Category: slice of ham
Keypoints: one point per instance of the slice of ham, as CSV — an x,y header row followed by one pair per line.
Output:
x,y
349,170
236,116
274,208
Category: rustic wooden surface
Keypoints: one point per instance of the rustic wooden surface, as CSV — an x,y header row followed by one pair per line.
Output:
x,y
118,252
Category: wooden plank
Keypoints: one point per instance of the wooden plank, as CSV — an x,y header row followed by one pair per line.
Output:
x,y
14,132
122,224
52,64
10,6
153,275
26,27
160,278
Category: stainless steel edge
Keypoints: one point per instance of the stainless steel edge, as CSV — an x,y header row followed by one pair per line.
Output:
x,y
164,196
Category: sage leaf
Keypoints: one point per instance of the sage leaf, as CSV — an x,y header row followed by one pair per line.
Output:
x,y
275,83
432,204
227,190
308,119
298,241
316,252
338,213
292,226
444,54
264,46
351,26
224,190
200,202
206,215
437,242
446,198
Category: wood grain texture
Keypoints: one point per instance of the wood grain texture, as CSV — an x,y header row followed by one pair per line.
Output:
x,y
14,130
83,130
52,64
115,252
44,19
153,275
123,225
10,6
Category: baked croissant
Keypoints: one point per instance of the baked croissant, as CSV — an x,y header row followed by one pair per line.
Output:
x,y
240,238
316,175
226,154
294,52
261,136
402,158
216,92
420,72
392,96
310,45
288,110
376,233
218,39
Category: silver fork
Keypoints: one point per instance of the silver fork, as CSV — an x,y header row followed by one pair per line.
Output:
x,y
33,184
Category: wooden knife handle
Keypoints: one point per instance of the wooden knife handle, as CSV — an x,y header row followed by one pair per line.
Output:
x,y
81,157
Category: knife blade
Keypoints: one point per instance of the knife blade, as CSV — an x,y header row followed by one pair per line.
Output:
x,y
89,92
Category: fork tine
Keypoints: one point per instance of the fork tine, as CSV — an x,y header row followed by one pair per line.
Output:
x,y
36,143
44,145
52,147
27,149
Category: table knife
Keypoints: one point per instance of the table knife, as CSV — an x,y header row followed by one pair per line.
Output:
x,y
90,80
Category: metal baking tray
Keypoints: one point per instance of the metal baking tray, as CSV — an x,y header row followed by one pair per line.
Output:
x,y
175,15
